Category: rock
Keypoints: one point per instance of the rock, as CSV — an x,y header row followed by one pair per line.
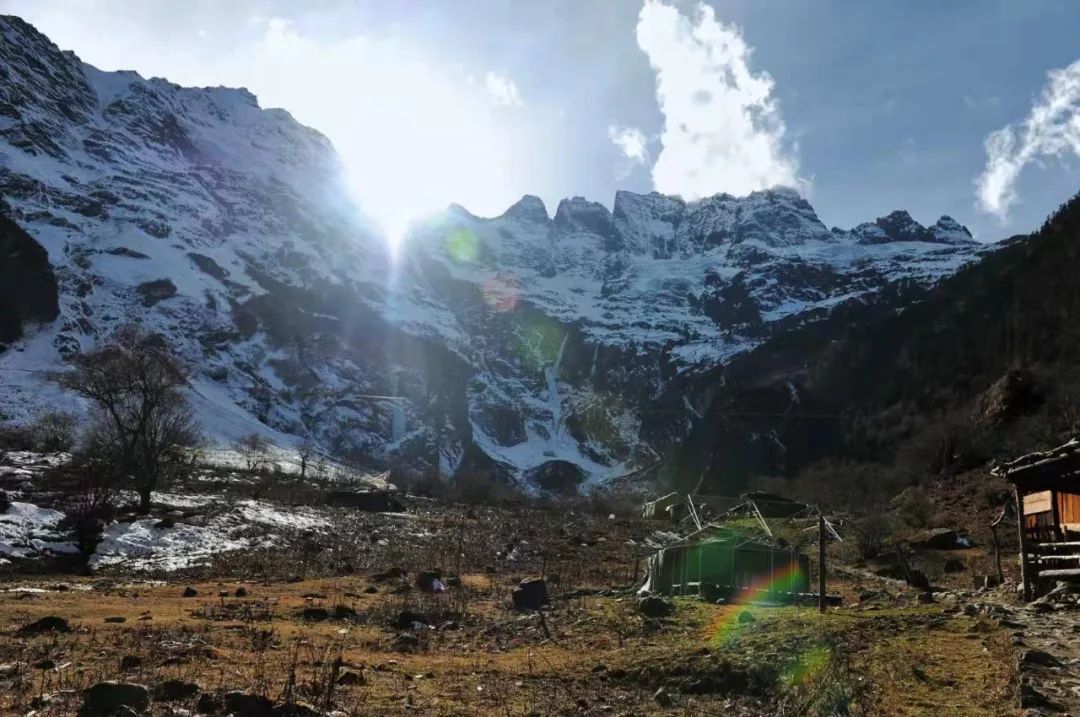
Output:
x,y
223,593
190,592
129,663
50,623
45,664
115,619
406,642
208,704
430,581
350,677
241,592
407,619
1039,658
107,699
926,598
154,291
174,690
531,594
315,614
453,581
371,590
28,288
1011,396
344,612
655,607
662,697
245,704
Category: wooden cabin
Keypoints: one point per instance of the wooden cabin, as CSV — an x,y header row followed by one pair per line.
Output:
x,y
1046,491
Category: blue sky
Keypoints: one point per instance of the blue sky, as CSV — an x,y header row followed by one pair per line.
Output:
x,y
872,106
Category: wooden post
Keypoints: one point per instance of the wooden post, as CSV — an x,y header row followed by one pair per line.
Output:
x,y
1056,532
1025,577
821,563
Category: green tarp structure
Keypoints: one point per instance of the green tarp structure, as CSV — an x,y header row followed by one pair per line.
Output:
x,y
731,566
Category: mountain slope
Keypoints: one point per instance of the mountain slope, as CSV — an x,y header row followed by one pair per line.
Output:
x,y
554,350
933,381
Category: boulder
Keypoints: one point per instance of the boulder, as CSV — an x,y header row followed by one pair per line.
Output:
x,y
130,663
350,677
531,594
174,690
49,623
655,607
190,592
107,699
208,704
430,581
245,704
407,619
314,613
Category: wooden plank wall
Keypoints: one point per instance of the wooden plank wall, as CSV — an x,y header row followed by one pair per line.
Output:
x,y
1069,508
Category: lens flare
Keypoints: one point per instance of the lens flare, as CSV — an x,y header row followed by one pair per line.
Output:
x,y
462,246
501,292
807,666
729,623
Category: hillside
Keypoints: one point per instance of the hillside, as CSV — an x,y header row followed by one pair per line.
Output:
x,y
924,381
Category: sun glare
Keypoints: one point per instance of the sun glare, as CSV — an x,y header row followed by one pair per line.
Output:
x,y
421,141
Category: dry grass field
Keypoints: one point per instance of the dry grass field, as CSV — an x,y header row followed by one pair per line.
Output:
x,y
321,629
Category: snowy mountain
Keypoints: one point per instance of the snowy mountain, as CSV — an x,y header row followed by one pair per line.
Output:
x,y
539,347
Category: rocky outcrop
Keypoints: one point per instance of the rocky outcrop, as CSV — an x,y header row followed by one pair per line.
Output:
x,y
28,290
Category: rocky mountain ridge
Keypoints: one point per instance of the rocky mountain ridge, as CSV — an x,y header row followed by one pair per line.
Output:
x,y
540,348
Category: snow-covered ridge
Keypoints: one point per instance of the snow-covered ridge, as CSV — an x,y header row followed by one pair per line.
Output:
x,y
540,341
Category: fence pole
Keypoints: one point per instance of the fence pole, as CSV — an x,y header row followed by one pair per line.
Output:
x,y
821,563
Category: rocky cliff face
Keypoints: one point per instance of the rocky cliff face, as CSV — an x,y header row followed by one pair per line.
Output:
x,y
547,349
27,284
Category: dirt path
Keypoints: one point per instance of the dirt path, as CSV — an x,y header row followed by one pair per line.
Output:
x,y
1046,634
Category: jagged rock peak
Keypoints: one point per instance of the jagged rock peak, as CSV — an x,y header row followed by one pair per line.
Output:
x,y
578,214
949,231
529,209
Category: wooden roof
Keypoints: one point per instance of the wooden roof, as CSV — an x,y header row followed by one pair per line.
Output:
x,y
1056,469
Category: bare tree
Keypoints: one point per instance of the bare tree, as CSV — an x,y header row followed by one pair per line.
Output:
x,y
253,449
305,450
143,422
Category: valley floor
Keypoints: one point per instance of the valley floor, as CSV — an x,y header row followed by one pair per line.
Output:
x,y
331,617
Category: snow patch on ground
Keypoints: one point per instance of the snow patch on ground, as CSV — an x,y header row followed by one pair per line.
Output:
x,y
28,531
150,544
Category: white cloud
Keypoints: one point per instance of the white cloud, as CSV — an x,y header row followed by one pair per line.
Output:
x,y
1051,129
631,142
503,90
722,130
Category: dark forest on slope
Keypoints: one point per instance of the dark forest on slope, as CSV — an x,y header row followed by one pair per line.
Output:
x,y
872,398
